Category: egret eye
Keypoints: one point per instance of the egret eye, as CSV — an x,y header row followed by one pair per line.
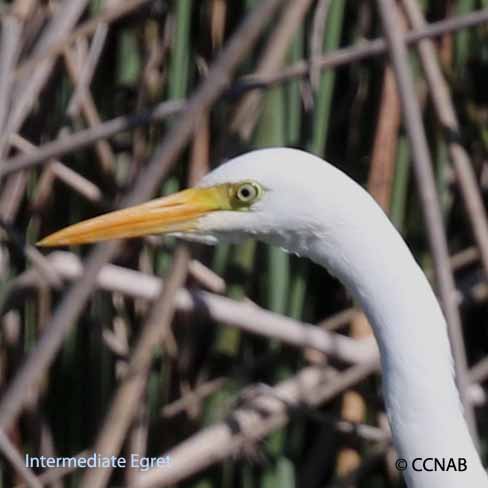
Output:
x,y
248,192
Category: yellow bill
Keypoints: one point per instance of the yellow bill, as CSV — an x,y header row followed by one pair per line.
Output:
x,y
175,213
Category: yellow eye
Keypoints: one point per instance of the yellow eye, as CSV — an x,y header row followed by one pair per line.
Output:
x,y
248,192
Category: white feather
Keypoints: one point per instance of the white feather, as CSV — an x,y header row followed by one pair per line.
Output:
x,y
312,209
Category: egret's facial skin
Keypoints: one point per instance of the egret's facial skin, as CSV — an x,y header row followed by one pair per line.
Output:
x,y
298,196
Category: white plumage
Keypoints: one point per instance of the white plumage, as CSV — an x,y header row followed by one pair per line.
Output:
x,y
313,209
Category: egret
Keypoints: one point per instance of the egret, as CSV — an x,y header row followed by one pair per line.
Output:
x,y
303,204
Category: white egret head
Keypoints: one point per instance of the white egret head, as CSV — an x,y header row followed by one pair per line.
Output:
x,y
278,195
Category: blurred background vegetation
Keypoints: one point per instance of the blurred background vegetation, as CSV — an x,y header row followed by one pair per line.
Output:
x,y
160,51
